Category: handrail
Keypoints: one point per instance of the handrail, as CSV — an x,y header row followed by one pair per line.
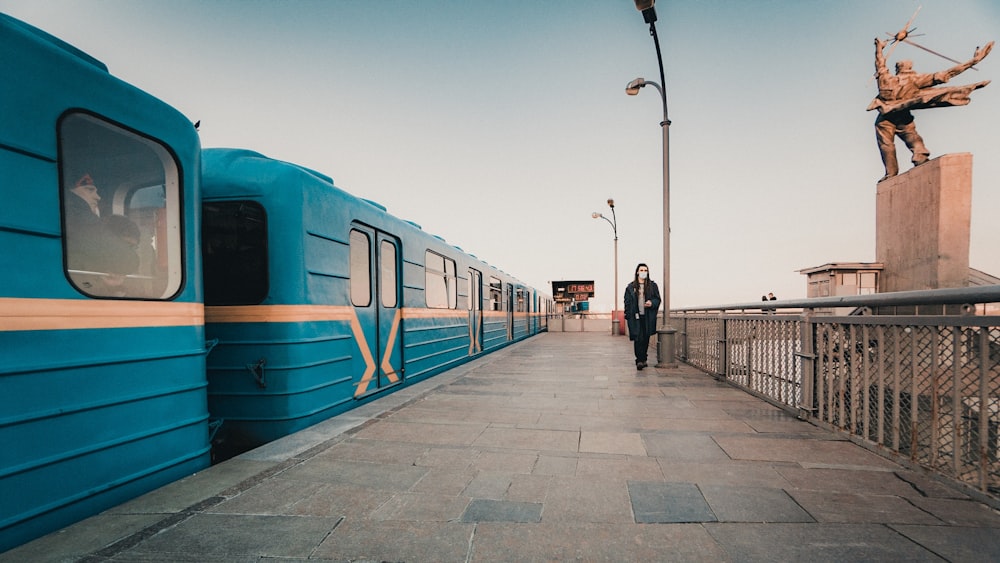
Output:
x,y
950,296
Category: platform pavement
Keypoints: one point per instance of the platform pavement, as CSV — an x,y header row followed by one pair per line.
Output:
x,y
553,449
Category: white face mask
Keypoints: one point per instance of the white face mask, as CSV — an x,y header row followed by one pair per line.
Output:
x,y
642,275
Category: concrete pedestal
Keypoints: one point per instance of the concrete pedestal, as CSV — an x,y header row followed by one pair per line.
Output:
x,y
922,225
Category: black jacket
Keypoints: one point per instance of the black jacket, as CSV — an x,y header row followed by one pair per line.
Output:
x,y
632,306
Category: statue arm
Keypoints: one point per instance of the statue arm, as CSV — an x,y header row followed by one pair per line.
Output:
x,y
879,56
979,55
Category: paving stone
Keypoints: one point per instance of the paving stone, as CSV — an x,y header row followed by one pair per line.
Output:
x,y
448,457
443,480
587,499
654,502
851,508
930,487
621,467
575,541
365,540
859,481
767,543
421,507
956,543
576,422
375,452
528,488
753,504
486,510
363,474
763,448
960,512
747,473
273,496
688,447
555,465
524,439
229,535
488,485
420,433
507,462
340,500
77,541
612,443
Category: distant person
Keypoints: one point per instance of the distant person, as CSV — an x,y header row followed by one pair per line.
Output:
x,y
769,297
83,223
100,252
117,256
86,190
642,299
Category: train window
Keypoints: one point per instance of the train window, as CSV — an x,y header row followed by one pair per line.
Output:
x,y
475,290
234,252
121,211
440,282
522,305
387,260
496,295
451,276
361,267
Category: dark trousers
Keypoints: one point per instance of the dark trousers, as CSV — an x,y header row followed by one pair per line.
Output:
x,y
641,342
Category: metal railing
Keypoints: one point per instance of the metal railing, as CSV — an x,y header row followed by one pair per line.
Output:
x,y
923,389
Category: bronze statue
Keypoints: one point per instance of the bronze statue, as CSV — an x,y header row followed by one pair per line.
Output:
x,y
908,90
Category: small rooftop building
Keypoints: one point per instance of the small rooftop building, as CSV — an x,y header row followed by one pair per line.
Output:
x,y
838,279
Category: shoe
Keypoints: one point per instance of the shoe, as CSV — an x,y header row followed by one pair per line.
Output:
x,y
640,365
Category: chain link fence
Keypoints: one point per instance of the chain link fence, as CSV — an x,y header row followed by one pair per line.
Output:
x,y
925,388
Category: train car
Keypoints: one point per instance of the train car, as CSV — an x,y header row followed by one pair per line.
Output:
x,y
102,378
317,301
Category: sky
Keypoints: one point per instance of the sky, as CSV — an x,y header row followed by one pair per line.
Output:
x,y
502,125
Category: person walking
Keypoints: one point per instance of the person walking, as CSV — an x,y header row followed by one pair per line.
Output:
x,y
642,299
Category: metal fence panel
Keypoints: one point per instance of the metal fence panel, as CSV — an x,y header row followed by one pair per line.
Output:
x,y
926,388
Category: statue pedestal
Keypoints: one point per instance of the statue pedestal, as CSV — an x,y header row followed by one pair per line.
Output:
x,y
922,224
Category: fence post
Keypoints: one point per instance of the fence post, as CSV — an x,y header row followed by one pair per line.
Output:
x,y
807,354
684,339
723,368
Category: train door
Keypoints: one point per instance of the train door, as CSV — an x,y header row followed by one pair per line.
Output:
x,y
375,295
510,312
475,311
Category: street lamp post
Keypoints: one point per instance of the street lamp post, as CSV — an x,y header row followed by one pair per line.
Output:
x,y
615,329
666,333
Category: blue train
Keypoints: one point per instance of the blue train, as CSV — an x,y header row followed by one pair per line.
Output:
x,y
316,300
157,299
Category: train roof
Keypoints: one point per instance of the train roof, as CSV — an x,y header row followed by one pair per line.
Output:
x,y
228,172
33,33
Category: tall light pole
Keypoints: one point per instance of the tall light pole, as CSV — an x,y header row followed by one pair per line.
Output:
x,y
614,227
666,333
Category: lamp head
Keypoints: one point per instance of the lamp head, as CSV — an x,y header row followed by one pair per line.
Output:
x,y
647,9
596,215
633,87
611,203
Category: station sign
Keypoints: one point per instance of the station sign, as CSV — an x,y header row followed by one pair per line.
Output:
x,y
572,290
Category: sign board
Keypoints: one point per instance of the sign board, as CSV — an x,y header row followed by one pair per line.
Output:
x,y
573,290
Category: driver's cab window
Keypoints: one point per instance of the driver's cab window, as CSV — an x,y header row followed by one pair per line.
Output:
x,y
120,209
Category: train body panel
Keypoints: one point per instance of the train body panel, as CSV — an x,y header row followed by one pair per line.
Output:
x,y
102,386
350,301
